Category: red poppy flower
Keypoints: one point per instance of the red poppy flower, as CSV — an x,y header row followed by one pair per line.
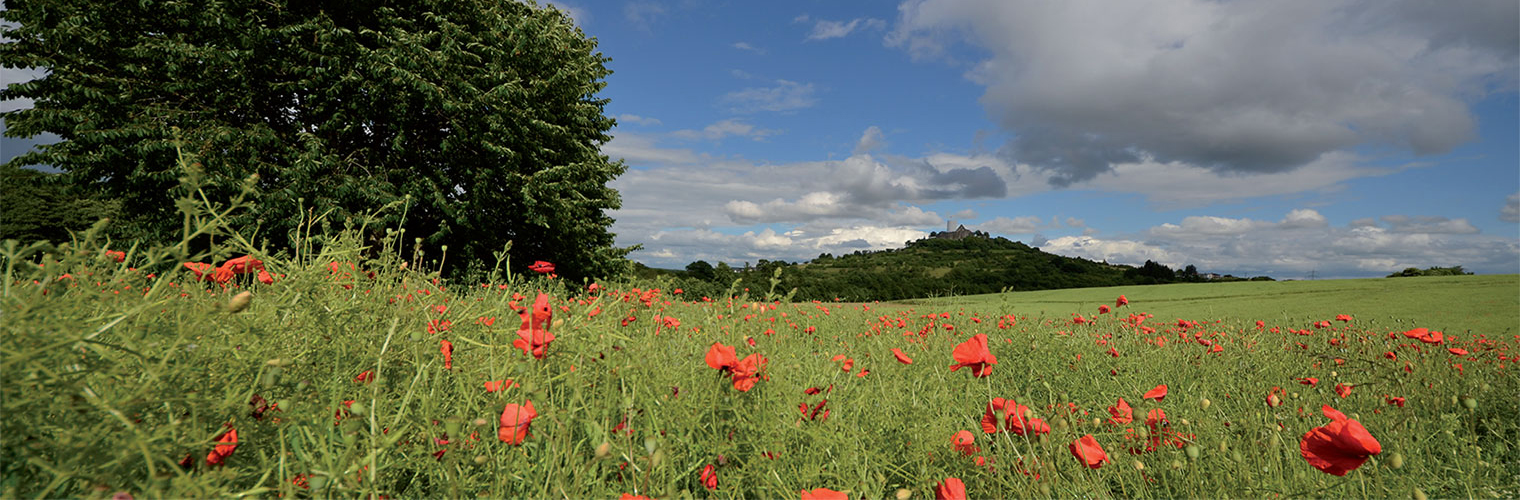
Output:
x,y
1121,301
709,478
1396,401
226,444
964,442
721,357
534,335
1273,399
950,489
1155,417
1013,418
1122,413
901,358
824,494
1089,452
748,371
1103,309
447,348
498,385
974,354
118,256
1157,393
1309,381
199,268
541,267
366,377
1340,446
633,497
1342,390
1345,318
515,420
1458,351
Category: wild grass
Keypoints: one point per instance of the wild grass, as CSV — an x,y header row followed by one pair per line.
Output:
x,y
115,372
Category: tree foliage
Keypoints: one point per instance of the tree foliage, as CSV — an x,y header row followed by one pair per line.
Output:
x,y
36,207
480,116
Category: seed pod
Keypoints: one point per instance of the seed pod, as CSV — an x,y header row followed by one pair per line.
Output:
x,y
1192,451
480,459
271,377
1237,457
416,336
1417,495
1044,490
657,458
1275,441
1138,465
1176,464
1396,460
239,302
903,494
604,449
1205,403
480,422
451,426
317,482
1470,403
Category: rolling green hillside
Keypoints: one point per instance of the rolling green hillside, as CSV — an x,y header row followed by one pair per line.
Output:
x,y
925,268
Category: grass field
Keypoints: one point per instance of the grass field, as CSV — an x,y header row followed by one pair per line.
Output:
x,y
1484,304
328,382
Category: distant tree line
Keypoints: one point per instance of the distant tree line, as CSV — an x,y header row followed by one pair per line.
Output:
x,y
924,268
1430,271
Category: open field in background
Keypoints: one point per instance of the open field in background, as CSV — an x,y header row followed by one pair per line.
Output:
x,y
334,383
1480,304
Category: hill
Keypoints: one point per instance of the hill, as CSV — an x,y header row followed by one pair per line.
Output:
x,y
924,268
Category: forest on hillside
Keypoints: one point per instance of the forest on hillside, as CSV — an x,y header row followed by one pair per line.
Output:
x,y
928,267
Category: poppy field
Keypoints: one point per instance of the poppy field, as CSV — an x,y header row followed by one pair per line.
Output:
x,y
134,373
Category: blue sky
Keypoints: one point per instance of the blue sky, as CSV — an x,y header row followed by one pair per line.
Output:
x,y
1347,139
1253,137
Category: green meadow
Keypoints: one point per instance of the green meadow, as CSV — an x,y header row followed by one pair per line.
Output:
x,y
350,376
1483,304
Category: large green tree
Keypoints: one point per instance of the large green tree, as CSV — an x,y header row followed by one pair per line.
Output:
x,y
484,112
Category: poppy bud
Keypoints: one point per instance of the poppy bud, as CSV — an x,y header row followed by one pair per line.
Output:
x,y
1396,460
1044,490
1224,447
357,409
416,336
451,426
1417,495
650,444
657,458
271,377
903,494
239,302
1139,465
1236,456
317,482
1183,422
283,404
1176,464
1470,403
480,422
1192,451
1204,403
480,459
1275,441
350,439
604,449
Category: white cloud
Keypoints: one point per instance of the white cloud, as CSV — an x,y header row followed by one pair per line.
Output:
x,y
642,15
637,120
871,140
1428,225
785,96
747,47
1511,210
1256,86
824,29
640,149
726,128
1018,225
1302,242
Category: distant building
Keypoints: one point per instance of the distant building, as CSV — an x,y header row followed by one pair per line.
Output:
x,y
959,233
